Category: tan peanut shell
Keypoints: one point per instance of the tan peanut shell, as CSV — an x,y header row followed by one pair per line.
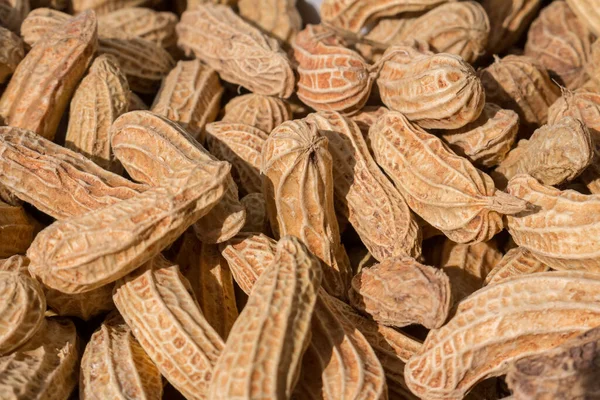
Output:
x,y
241,145
44,81
298,186
279,18
84,253
46,367
441,187
561,233
400,291
257,219
435,91
101,97
587,11
515,262
158,305
81,305
487,140
521,84
55,180
190,95
152,148
12,13
102,7
41,21
262,359
560,42
254,60
15,263
365,195
262,112
508,21
367,116
499,324
555,154
331,76
17,230
114,365
11,53
22,309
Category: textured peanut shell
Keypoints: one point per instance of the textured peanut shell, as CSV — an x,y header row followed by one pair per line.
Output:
x,y
279,18
364,195
298,187
84,306
486,141
515,262
499,324
17,230
441,187
262,112
46,367
41,21
158,305
257,219
254,60
508,20
14,263
587,11
11,53
114,365
44,81
262,356
22,309
367,116
190,95
101,97
561,232
102,7
435,91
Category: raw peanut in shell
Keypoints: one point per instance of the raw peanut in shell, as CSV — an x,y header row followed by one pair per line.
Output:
x,y
515,262
102,7
366,117
441,187
17,230
44,81
41,21
500,324
587,11
400,291
114,365
262,112
11,53
279,18
253,60
434,91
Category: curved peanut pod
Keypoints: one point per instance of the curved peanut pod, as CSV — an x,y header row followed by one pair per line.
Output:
x,y
502,323
508,21
280,18
152,148
81,305
15,263
366,117
22,308
55,180
257,219
262,356
332,77
253,60
12,53
41,21
158,305
17,230
441,187
102,7
561,229
44,81
298,186
363,194
516,262
114,365
435,91
588,12
84,253
262,112
46,367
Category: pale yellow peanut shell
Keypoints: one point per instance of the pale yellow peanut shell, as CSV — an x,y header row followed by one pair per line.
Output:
x,y
81,305
262,112
515,262
587,11
279,18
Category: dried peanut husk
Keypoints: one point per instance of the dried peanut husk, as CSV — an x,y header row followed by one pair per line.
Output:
x,y
102,7
515,262
262,112
587,11
81,305
279,18
11,53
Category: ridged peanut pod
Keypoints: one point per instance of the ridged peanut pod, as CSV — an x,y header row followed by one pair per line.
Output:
x,y
332,77
15,263
502,323
441,187
366,117
400,291
562,231
365,195
353,15
264,350
84,253
241,145
521,84
158,305
114,365
44,81
254,60
46,367
435,91
84,306
17,230
102,7
22,308
516,262
152,148
486,141
41,21
12,52
12,13
587,11
279,18
508,21
555,154
55,180
298,186
257,219
101,97
190,95
262,112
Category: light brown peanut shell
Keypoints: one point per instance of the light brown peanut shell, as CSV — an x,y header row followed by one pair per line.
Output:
x,y
587,11
41,21
508,20
515,262
17,230
279,18
102,7
262,112
11,53
81,305
15,263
